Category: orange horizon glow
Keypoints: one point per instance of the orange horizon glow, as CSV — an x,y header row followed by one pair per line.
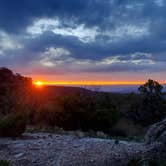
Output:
x,y
88,83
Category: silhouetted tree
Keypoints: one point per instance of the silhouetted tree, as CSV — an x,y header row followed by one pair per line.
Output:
x,y
151,88
151,106
14,90
14,98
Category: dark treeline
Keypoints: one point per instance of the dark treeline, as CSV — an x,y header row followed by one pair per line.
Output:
x,y
21,104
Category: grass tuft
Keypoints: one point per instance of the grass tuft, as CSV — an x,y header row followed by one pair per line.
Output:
x,y
4,163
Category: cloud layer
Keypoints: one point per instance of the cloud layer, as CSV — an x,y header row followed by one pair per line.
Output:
x,y
52,36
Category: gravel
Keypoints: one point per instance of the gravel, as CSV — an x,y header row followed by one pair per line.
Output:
x,y
45,149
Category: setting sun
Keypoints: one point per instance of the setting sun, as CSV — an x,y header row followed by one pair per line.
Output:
x,y
38,83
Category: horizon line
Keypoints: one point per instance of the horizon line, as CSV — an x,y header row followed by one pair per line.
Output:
x,y
92,83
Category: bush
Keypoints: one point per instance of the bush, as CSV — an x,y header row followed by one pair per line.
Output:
x,y
4,163
12,125
148,162
78,112
104,119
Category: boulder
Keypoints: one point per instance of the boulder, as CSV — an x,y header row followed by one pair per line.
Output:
x,y
157,133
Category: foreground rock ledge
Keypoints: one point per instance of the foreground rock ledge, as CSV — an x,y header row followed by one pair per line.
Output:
x,y
44,149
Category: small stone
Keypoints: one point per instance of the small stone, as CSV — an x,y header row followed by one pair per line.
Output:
x,y
18,155
80,134
100,134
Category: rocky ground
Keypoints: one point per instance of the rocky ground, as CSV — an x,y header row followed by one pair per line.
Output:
x,y
44,149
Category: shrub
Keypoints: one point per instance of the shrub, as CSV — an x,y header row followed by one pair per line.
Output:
x,y
4,163
12,125
104,119
148,162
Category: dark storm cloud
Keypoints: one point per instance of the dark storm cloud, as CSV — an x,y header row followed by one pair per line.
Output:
x,y
16,15
92,31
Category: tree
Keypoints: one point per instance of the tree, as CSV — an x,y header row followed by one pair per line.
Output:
x,y
14,92
151,87
150,107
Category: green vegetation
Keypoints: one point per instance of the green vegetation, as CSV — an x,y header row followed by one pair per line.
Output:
x,y
75,108
143,162
12,125
4,163
77,112
14,90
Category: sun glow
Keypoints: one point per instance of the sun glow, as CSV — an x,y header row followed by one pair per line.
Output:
x,y
38,83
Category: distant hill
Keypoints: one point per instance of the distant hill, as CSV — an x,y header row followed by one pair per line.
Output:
x,y
67,89
55,91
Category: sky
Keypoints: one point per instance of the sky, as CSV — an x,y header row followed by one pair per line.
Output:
x,y
84,40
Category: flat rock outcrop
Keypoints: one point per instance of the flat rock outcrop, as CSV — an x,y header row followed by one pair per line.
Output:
x,y
45,149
